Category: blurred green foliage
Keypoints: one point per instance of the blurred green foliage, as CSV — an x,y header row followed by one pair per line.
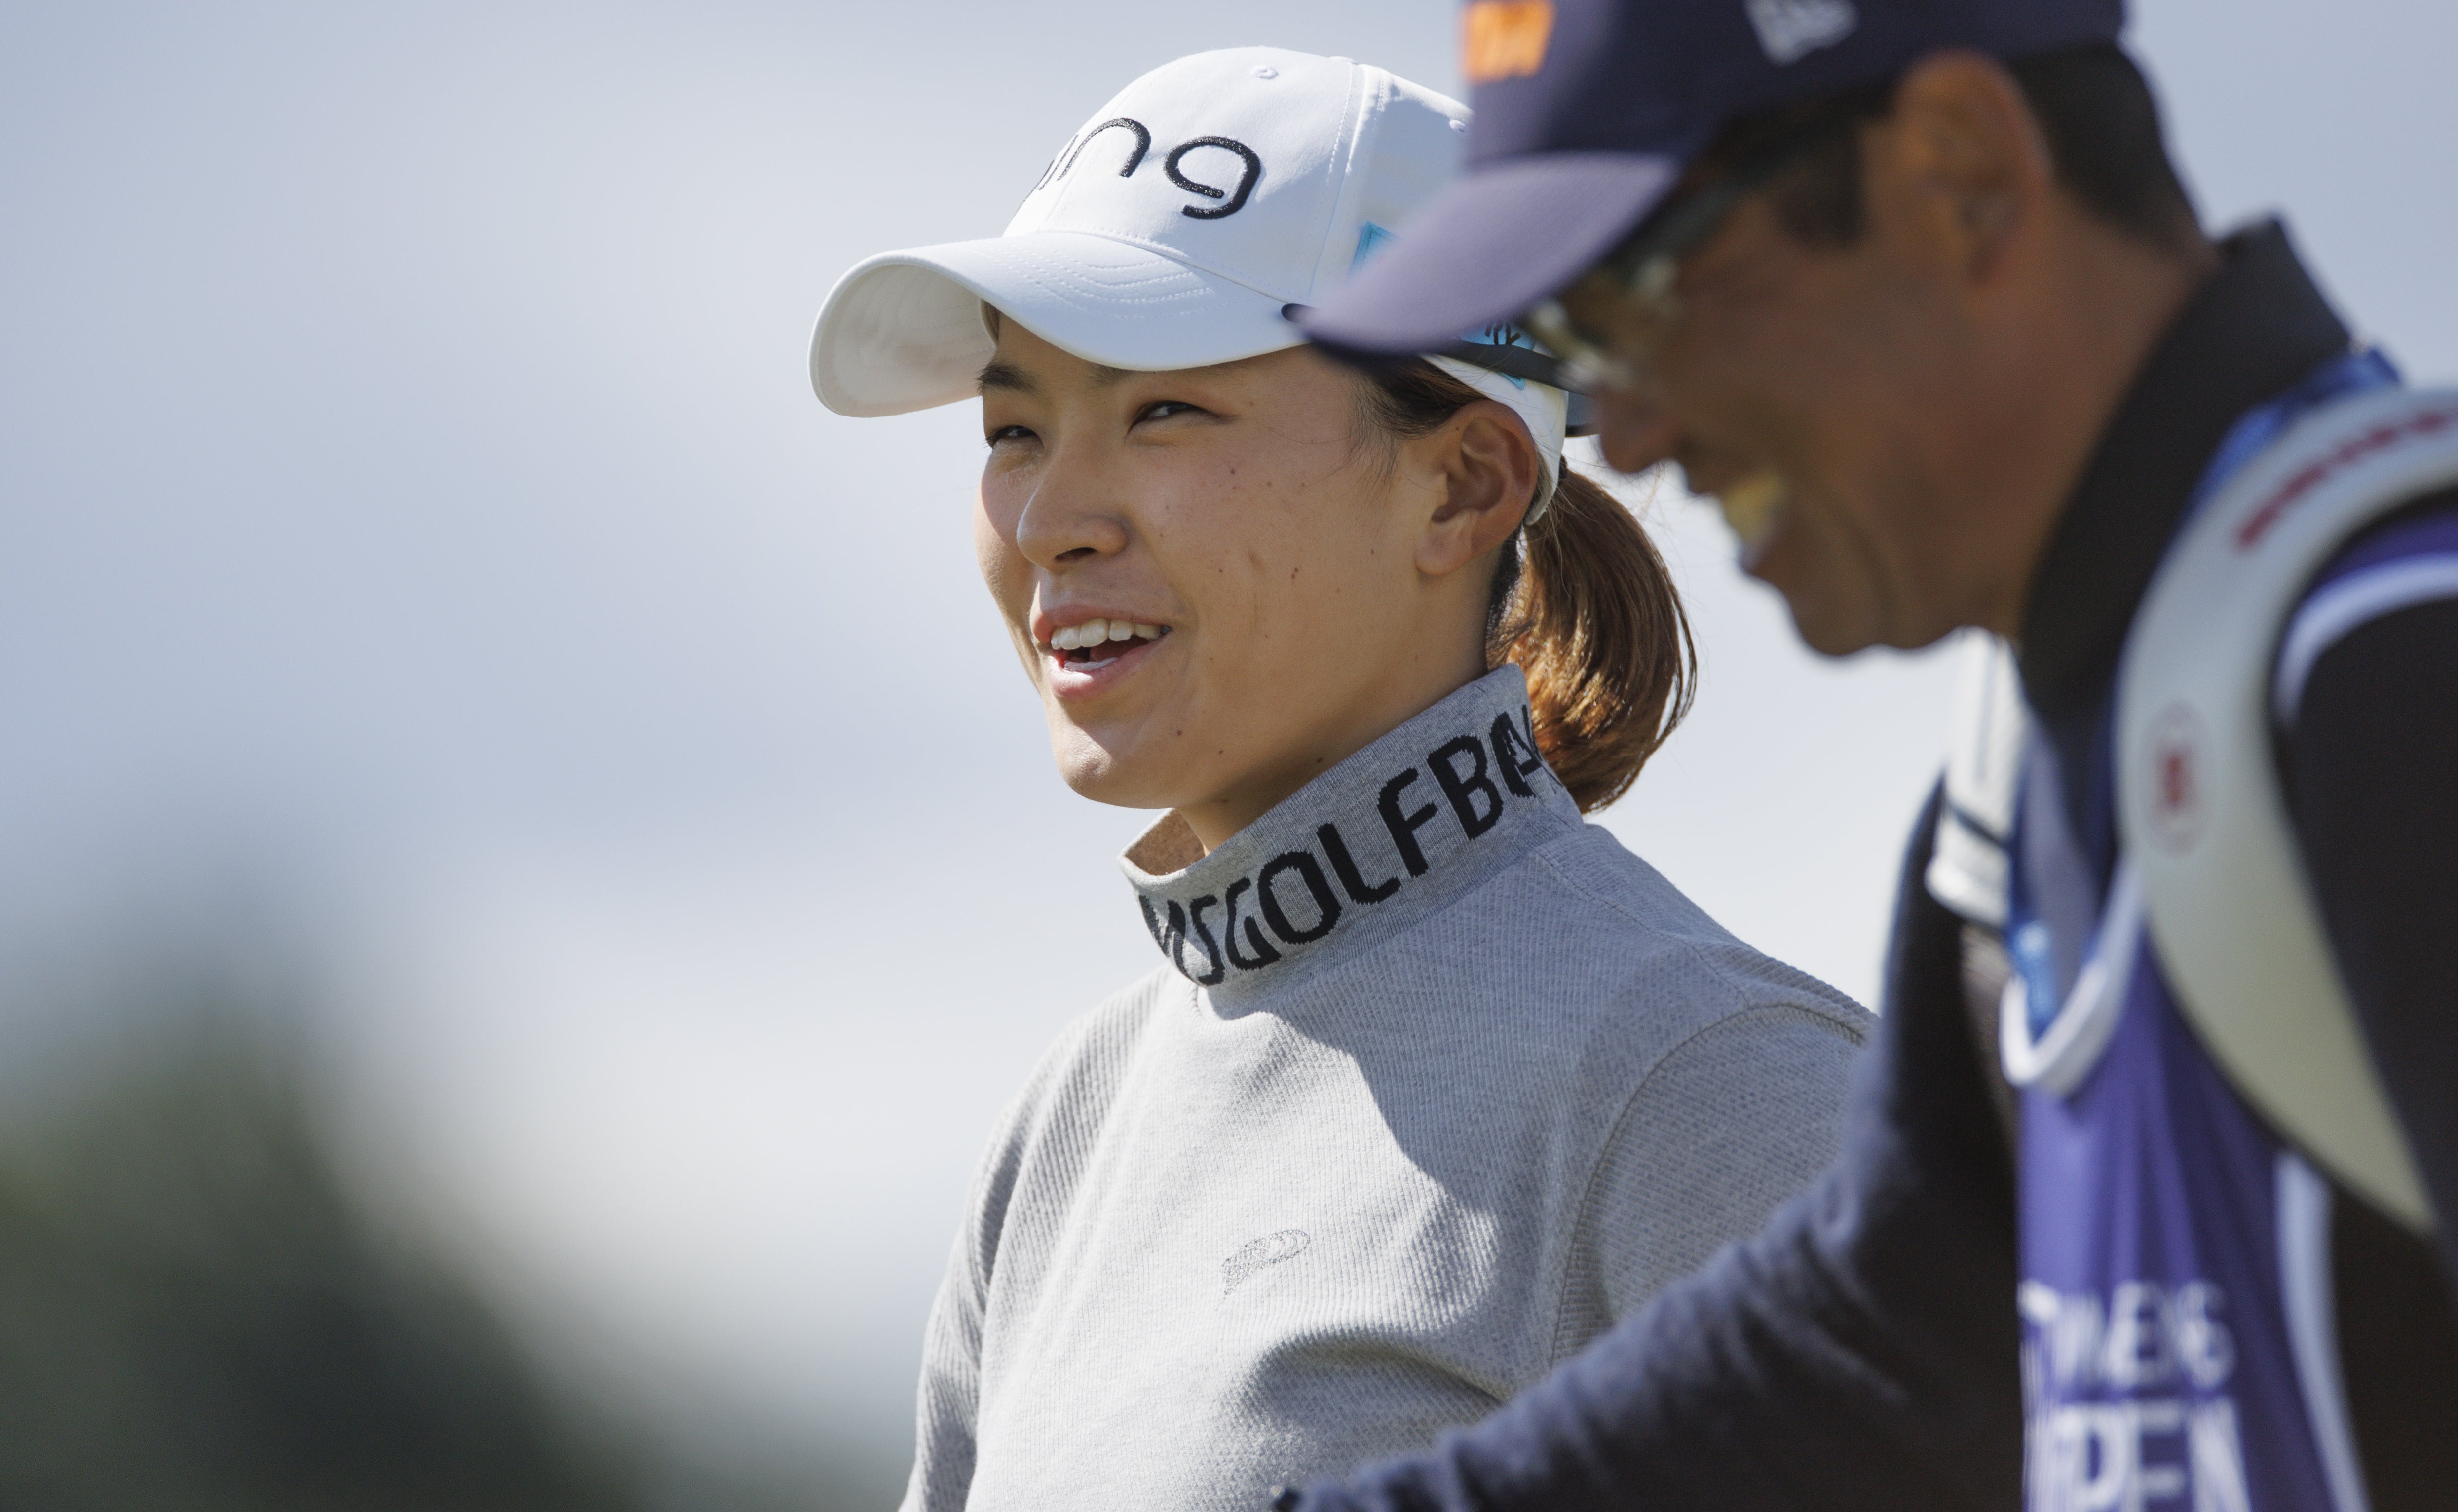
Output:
x,y
196,1315
193,1315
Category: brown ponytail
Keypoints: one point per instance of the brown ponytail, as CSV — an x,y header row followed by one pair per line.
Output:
x,y
1582,602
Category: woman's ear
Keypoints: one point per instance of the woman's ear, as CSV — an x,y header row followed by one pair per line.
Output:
x,y
1488,471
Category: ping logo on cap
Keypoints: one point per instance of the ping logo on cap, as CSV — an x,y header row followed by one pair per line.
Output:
x,y
1251,169
1504,39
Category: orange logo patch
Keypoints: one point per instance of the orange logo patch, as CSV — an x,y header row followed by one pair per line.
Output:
x,y
1504,39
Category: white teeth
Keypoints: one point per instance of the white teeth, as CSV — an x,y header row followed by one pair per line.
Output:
x,y
1100,631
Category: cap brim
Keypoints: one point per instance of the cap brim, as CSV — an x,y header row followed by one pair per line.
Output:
x,y
903,330
1489,246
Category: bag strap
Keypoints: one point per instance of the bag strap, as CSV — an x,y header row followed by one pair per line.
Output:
x,y
2201,811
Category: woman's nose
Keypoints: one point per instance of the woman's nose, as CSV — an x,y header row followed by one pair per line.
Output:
x,y
1068,519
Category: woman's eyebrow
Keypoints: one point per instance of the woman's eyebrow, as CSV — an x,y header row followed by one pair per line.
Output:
x,y
1007,376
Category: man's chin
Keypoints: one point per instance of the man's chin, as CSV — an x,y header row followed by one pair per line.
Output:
x,y
1839,635
1831,641
1829,618
1825,624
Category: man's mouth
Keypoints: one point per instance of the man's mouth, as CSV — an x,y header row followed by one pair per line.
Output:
x,y
1097,641
1755,506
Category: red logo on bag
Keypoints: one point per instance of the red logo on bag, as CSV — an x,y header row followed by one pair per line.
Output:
x,y
2175,797
2346,454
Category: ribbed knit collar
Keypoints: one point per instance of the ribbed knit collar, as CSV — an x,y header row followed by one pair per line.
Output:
x,y
1377,842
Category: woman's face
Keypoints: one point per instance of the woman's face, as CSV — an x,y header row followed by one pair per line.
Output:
x,y
1274,594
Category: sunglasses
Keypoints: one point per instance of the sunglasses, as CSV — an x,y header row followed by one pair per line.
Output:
x,y
1640,275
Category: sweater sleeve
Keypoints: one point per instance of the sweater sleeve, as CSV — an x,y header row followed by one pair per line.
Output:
x,y
1739,1117
949,1395
1860,1352
949,1406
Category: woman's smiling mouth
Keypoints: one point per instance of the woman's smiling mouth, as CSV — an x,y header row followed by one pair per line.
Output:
x,y
1093,640
1089,655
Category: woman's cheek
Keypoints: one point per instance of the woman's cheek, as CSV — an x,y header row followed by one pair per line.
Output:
x,y
1003,567
1008,576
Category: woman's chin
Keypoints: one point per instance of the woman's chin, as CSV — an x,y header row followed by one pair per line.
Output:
x,y
1104,771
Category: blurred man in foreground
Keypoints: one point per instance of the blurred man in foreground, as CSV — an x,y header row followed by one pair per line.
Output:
x,y
1914,290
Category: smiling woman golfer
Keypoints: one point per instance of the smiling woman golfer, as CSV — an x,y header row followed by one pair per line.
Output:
x,y
1434,1079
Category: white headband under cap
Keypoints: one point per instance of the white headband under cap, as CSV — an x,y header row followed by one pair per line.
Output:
x,y
1542,408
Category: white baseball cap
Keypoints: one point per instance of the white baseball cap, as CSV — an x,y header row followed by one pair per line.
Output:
x,y
1177,228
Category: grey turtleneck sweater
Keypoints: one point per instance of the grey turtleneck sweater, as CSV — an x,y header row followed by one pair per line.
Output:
x,y
1435,1082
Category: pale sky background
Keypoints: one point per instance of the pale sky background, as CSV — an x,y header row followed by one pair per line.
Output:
x,y
415,523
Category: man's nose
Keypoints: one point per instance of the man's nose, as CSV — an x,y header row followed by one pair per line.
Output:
x,y
1635,428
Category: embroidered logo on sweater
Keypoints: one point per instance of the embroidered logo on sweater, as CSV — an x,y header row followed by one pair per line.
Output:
x,y
1293,893
1255,1254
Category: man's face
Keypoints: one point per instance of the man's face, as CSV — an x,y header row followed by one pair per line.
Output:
x,y
1842,399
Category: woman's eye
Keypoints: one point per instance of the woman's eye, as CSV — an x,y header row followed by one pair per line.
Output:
x,y
1168,407
1008,433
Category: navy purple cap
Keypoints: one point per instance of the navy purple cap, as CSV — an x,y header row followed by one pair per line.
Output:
x,y
1586,112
